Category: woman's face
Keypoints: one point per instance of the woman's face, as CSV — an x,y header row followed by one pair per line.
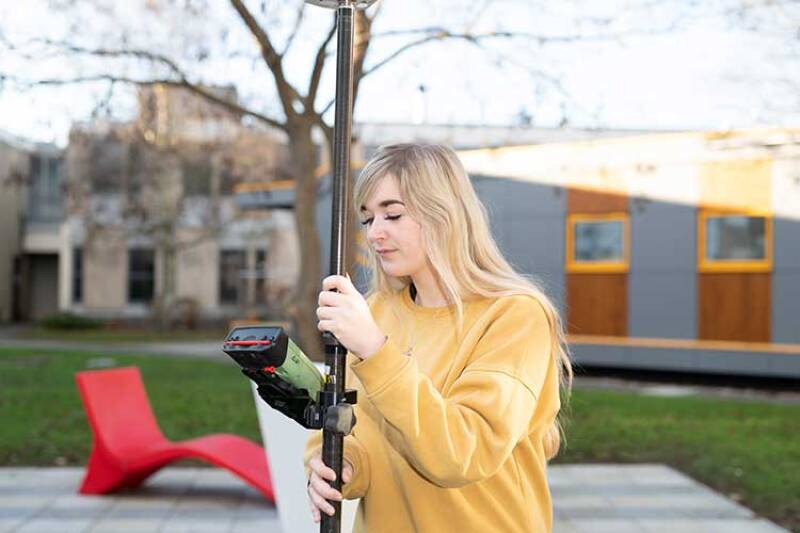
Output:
x,y
394,236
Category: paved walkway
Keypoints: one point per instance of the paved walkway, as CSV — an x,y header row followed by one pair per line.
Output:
x,y
587,498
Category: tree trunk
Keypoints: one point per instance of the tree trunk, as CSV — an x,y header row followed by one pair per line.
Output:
x,y
304,306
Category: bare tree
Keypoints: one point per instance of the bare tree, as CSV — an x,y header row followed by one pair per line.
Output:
x,y
177,44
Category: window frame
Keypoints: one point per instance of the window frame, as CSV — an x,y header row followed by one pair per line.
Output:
x,y
575,266
706,265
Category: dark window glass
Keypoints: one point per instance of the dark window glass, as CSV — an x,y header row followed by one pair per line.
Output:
x,y
196,176
599,241
141,275
107,166
261,276
231,279
77,275
735,238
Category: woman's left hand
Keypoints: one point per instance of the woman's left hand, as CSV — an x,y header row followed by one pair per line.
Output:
x,y
346,314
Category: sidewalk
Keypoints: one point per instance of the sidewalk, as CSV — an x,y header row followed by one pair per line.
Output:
x,y
587,498
197,349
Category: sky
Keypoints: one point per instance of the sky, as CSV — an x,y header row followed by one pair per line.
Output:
x,y
709,74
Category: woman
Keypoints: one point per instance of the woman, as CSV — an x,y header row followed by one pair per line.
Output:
x,y
457,360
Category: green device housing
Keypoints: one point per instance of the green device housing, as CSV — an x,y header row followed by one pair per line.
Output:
x,y
286,377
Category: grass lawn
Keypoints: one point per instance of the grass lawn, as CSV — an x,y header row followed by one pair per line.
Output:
x,y
748,450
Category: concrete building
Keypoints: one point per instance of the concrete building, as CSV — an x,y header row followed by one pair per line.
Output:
x,y
137,219
31,209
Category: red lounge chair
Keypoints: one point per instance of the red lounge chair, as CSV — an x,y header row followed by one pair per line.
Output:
x,y
128,445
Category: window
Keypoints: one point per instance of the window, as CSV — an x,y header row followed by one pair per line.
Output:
x,y
45,198
261,277
734,242
77,275
231,268
141,275
107,165
196,175
597,243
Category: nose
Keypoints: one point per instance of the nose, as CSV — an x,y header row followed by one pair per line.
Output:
x,y
376,231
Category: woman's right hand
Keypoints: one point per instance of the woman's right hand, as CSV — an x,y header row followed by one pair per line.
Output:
x,y
318,489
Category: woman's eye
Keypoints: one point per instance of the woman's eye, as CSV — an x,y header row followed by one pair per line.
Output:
x,y
392,217
366,222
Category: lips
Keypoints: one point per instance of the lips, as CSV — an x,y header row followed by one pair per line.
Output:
x,y
384,251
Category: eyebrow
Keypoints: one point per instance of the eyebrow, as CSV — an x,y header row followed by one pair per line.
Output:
x,y
385,203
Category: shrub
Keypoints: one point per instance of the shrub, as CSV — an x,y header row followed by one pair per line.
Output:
x,y
71,321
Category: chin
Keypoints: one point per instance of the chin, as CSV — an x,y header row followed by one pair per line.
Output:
x,y
395,271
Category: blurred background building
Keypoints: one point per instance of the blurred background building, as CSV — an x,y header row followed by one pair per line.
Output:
x,y
132,217
668,251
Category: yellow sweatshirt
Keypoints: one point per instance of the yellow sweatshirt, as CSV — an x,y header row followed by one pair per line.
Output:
x,y
450,426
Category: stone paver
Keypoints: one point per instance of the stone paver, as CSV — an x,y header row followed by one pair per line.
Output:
x,y
586,498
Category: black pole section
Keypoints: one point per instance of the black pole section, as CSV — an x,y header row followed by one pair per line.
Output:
x,y
335,353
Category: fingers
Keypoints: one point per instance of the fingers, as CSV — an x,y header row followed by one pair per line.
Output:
x,y
325,313
321,469
319,492
314,511
317,500
330,299
340,283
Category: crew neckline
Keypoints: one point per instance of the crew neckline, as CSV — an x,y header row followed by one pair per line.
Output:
x,y
432,311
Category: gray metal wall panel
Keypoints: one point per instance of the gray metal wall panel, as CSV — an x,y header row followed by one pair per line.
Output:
x,y
786,239
527,221
324,213
663,237
786,281
662,295
662,304
521,197
786,306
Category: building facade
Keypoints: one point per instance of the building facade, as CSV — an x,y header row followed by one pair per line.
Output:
x,y
137,220
672,252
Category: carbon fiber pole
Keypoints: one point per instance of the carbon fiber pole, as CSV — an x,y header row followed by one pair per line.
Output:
x,y
335,353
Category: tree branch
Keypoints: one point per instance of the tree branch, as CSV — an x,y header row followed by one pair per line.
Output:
x,y
66,47
387,59
297,22
319,63
184,84
287,93
536,37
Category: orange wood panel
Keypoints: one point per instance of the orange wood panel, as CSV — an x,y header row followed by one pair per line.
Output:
x,y
734,306
597,304
590,202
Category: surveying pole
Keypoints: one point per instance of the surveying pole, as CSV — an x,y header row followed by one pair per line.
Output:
x,y
335,353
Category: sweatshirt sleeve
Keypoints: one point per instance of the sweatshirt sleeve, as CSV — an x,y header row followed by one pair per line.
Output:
x,y
468,433
355,453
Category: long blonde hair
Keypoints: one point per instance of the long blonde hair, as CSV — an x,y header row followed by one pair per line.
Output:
x,y
465,258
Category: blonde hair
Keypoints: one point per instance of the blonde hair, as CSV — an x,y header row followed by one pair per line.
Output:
x,y
465,258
